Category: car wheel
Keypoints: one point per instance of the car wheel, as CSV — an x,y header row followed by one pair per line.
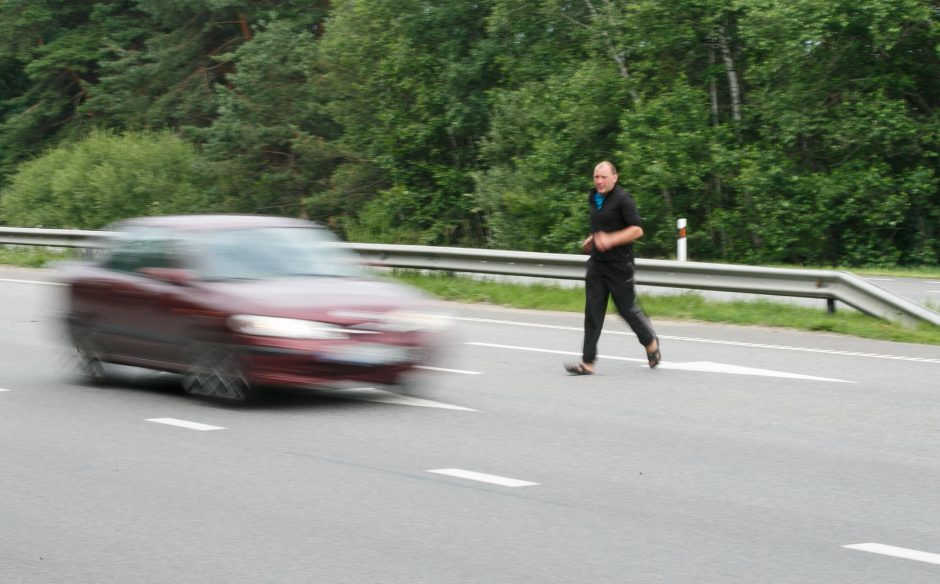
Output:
x,y
90,364
215,372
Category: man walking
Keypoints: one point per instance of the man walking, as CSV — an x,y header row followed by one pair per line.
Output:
x,y
615,225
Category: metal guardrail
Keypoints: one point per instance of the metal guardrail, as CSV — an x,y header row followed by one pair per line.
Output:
x,y
79,238
829,285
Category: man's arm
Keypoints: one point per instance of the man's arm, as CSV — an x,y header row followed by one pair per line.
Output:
x,y
604,241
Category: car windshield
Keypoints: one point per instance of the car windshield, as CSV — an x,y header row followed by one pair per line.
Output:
x,y
271,252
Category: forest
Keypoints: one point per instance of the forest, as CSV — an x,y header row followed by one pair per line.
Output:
x,y
800,132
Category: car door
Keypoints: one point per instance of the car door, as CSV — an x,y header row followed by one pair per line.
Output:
x,y
182,312
131,304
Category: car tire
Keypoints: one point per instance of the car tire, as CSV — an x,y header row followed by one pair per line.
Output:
x,y
215,372
90,364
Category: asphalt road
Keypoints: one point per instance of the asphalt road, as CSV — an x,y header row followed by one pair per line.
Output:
x,y
752,455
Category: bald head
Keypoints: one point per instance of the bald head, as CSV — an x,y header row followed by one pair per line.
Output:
x,y
605,177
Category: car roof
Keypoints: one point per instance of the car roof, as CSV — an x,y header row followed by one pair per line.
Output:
x,y
211,222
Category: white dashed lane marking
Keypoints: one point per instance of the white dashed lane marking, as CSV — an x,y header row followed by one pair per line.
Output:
x,y
806,350
711,341
31,282
443,370
1,389
897,552
184,424
702,366
372,394
482,477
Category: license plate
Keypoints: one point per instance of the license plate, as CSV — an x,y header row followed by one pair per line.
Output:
x,y
369,354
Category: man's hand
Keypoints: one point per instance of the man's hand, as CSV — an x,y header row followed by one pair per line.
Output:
x,y
603,241
587,245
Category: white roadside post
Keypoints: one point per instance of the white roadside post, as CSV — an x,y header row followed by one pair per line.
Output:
x,y
680,243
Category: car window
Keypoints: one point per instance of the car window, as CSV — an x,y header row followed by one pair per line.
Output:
x,y
132,252
272,252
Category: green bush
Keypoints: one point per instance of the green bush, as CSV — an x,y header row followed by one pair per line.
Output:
x,y
106,177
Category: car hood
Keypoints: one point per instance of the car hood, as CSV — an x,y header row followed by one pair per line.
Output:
x,y
316,297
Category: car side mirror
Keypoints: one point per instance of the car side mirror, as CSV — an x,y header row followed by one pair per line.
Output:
x,y
172,275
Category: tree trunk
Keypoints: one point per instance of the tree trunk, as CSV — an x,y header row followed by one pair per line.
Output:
x,y
319,29
713,88
618,57
667,197
243,22
734,87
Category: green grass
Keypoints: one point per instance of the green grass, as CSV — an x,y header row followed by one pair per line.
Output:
x,y
33,257
686,306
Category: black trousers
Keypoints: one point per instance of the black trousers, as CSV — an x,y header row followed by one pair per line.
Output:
x,y
603,281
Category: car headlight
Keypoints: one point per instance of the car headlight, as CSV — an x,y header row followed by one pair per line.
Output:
x,y
289,328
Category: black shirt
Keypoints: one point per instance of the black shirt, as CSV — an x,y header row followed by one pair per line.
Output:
x,y
618,211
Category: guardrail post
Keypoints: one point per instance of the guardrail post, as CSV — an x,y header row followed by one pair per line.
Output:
x,y
680,243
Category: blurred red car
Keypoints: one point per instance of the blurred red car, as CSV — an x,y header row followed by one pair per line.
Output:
x,y
239,302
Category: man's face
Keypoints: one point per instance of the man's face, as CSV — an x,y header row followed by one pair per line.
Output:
x,y
604,179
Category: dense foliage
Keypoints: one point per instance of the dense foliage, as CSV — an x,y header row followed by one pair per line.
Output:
x,y
104,178
784,130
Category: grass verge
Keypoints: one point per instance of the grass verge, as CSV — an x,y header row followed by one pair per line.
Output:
x,y
33,257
